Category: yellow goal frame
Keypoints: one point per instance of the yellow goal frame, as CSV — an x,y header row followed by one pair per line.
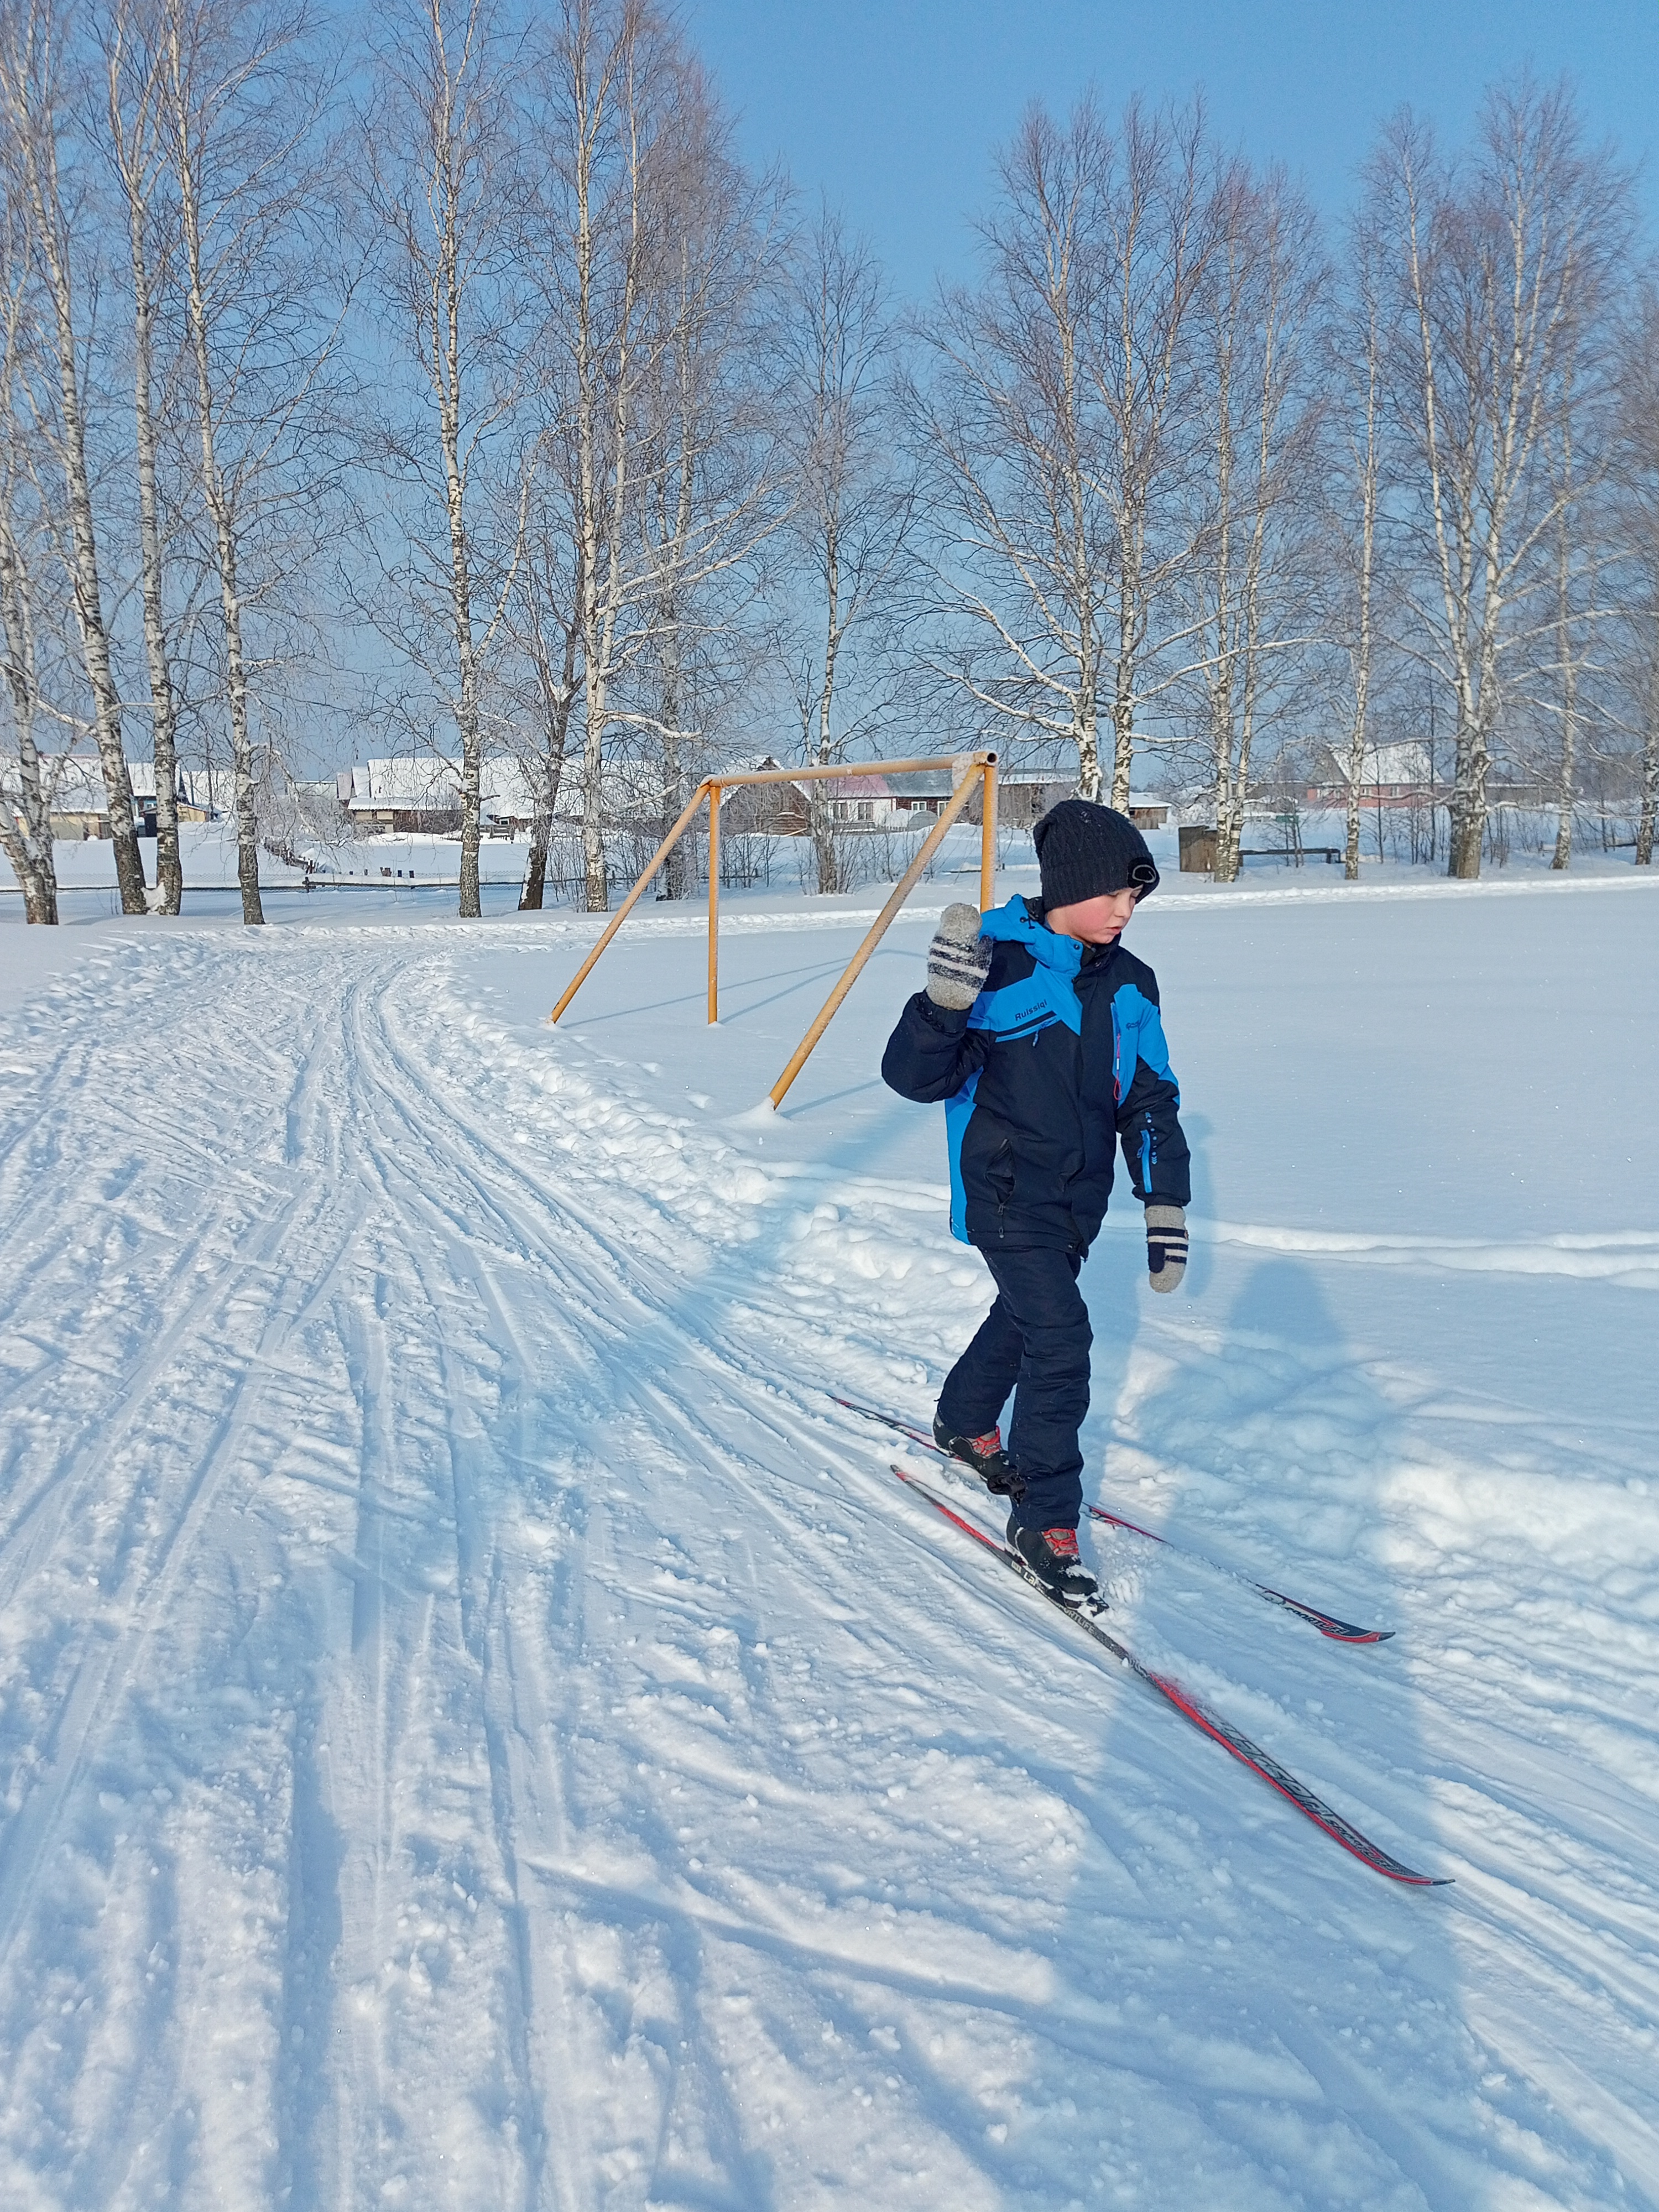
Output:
x,y
970,772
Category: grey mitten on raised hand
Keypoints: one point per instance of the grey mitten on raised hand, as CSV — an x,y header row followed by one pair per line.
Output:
x,y
958,959
1166,1245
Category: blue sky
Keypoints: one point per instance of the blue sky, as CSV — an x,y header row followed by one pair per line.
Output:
x,y
893,109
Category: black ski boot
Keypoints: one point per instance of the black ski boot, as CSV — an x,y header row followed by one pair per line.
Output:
x,y
1052,1556
984,1454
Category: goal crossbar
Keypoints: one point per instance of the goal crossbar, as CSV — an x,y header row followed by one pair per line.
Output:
x,y
970,772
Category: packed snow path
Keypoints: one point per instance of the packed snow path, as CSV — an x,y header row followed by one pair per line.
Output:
x,y
478,1729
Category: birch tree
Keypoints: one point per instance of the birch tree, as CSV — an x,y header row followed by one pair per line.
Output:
x,y
135,46
1635,543
36,95
25,795
442,138
1567,628
618,110
1357,368
1167,211
542,622
1498,265
711,459
852,523
241,109
1259,324
1063,430
1016,446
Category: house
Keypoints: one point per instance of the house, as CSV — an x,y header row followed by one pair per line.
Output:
x,y
1023,794
764,809
1398,774
868,802
421,796
78,804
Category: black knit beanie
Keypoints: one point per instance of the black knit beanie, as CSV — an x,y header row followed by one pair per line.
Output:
x,y
1085,851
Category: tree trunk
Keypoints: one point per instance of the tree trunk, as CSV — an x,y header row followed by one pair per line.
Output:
x,y
1468,814
1650,813
1567,768
589,381
1362,666
466,705
447,336
42,173
1567,763
1131,627
534,886
1123,751
1229,824
826,855
677,873
218,504
242,780
27,842
169,866
557,700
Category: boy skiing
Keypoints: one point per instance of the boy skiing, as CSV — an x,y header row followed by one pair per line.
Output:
x,y
1041,1035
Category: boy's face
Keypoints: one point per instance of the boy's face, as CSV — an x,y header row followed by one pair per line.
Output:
x,y
1093,921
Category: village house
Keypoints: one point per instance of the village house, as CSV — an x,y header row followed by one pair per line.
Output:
x,y
918,795
80,806
1399,775
421,796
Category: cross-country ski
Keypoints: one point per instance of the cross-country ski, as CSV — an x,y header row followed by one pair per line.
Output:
x,y
1340,1632
1090,1619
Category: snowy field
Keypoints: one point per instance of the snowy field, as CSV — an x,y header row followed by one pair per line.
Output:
x,y
479,1728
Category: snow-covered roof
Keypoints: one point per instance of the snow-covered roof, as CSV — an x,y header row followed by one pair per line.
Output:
x,y
1405,761
430,783
75,782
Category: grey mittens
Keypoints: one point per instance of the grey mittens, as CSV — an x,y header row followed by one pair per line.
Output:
x,y
1166,1245
958,959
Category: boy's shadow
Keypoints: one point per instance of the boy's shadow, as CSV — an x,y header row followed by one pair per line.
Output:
x,y
1262,1440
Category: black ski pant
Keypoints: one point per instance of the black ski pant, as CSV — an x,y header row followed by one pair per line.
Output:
x,y
1034,1342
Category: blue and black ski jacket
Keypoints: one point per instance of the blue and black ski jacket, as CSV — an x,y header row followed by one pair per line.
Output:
x,y
1060,1056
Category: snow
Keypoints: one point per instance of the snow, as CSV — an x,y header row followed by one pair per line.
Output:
x,y
479,1728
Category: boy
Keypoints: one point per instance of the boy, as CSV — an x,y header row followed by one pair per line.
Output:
x,y
1042,1036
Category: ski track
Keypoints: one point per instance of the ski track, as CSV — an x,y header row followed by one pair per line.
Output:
x,y
478,1729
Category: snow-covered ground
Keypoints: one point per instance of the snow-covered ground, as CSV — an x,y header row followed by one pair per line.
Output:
x,y
479,1728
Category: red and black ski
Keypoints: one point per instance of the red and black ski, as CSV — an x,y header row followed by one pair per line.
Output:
x,y
1088,1618
1340,1632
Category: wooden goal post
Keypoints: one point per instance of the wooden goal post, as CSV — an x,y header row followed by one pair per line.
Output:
x,y
968,772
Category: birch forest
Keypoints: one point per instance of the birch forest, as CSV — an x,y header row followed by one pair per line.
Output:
x,y
440,379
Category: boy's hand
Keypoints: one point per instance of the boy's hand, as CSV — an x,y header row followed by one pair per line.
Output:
x,y
1166,1245
958,959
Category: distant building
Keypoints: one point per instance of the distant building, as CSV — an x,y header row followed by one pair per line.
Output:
x,y
1024,795
78,804
1395,775
421,796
